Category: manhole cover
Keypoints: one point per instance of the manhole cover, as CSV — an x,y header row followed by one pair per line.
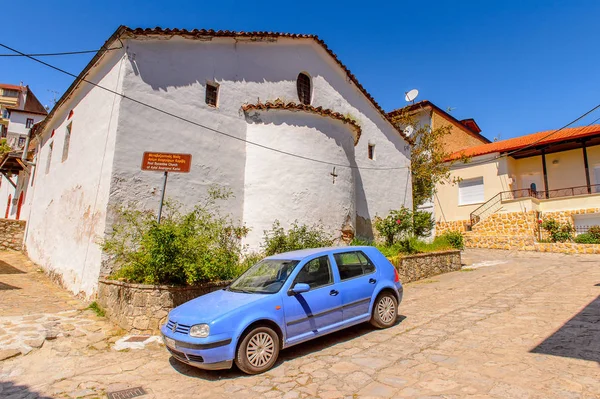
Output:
x,y
127,393
137,338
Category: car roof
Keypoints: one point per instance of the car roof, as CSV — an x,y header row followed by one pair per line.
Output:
x,y
305,253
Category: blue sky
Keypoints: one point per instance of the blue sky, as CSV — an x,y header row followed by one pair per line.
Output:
x,y
517,67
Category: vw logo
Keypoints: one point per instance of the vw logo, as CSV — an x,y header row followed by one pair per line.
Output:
x,y
174,327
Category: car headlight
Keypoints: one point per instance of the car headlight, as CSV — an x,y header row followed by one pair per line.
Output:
x,y
200,331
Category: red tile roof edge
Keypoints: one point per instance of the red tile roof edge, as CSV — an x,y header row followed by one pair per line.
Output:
x,y
11,87
291,106
516,143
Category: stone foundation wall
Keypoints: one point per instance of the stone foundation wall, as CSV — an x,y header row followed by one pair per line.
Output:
x,y
519,243
567,216
422,266
508,224
568,248
456,225
142,309
11,234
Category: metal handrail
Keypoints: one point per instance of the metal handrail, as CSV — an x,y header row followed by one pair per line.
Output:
x,y
477,215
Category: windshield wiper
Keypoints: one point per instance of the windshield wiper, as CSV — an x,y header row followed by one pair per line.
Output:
x,y
240,290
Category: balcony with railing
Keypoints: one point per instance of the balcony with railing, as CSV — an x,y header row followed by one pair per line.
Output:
x,y
495,203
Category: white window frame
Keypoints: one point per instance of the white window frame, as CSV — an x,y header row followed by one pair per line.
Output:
x,y
473,182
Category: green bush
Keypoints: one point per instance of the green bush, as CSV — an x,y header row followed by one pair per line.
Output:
x,y
397,225
185,248
595,232
423,223
454,238
558,232
587,238
277,240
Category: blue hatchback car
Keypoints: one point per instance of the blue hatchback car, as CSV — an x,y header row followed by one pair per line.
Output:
x,y
281,301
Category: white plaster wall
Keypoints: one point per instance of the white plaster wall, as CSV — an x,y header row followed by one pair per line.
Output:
x,y
68,215
6,189
171,74
278,187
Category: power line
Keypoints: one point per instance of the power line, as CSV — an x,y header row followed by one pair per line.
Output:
x,y
191,121
542,138
19,54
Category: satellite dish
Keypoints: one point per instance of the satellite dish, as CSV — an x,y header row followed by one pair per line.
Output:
x,y
408,130
411,95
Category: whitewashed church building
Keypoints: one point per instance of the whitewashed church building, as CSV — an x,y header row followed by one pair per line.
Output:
x,y
276,118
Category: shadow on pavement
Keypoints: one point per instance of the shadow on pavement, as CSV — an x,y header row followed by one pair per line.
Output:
x,y
294,352
6,287
6,268
10,389
578,338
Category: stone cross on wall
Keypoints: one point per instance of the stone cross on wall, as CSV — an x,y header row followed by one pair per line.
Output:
x,y
334,175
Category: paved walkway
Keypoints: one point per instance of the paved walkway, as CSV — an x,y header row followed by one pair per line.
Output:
x,y
34,310
518,325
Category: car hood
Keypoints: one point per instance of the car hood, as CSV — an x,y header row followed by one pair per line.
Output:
x,y
211,306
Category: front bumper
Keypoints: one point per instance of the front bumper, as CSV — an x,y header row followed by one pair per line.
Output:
x,y
216,355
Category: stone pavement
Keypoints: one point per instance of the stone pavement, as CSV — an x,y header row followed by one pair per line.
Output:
x,y
512,325
34,310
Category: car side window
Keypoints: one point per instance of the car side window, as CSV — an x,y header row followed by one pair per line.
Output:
x,y
316,273
353,264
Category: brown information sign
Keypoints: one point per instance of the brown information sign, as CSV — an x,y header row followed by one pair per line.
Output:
x,y
167,162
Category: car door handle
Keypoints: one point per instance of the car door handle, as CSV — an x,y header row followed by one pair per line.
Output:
x,y
333,292
372,281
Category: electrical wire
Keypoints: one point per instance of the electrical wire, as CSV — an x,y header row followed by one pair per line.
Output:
x,y
191,121
62,53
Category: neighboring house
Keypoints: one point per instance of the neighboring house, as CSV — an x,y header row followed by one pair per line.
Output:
x,y
9,97
463,133
14,182
508,185
22,116
285,91
20,110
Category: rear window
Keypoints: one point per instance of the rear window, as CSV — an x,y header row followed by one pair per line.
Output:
x,y
353,264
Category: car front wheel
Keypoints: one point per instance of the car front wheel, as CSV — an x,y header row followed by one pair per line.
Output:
x,y
258,350
385,310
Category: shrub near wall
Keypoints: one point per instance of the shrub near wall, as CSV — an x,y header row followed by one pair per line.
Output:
x,y
141,308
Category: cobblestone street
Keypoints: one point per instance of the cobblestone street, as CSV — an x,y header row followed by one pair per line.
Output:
x,y
511,325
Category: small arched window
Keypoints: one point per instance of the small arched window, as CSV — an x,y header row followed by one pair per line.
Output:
x,y
303,85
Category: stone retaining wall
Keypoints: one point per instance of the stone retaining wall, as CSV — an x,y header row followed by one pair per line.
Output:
x,y
422,266
11,234
520,243
568,248
142,309
456,225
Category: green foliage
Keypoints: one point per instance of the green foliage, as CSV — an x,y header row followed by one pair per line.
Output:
x,y
185,248
278,240
558,232
587,238
454,238
97,309
594,231
428,157
4,147
397,225
410,245
423,223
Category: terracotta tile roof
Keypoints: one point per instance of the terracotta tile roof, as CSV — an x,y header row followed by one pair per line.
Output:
x,y
11,87
280,105
200,33
517,143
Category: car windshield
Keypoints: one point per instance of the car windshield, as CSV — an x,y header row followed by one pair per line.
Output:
x,y
265,277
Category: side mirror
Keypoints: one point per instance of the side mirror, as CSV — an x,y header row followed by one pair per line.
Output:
x,y
300,288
